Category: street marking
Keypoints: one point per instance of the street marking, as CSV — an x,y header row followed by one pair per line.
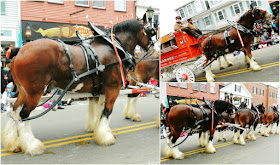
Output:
x,y
240,71
202,150
126,130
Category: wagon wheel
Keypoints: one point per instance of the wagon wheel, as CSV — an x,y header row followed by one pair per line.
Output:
x,y
184,74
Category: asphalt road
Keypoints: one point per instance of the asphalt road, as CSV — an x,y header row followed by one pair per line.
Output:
x,y
265,150
267,58
67,142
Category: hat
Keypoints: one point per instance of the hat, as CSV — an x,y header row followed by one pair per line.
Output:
x,y
178,17
189,19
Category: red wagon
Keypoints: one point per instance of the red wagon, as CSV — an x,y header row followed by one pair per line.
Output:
x,y
179,51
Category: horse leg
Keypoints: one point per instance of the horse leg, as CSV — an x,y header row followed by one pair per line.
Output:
x,y
220,64
241,138
130,108
209,146
219,132
92,117
270,129
173,152
249,58
223,134
253,137
208,74
247,135
277,128
202,139
102,132
234,139
228,63
264,133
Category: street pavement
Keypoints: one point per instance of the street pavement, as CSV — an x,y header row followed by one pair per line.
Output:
x,y
265,150
267,58
67,142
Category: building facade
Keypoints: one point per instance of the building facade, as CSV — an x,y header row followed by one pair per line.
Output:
x,y
9,23
263,93
188,92
58,18
212,15
235,93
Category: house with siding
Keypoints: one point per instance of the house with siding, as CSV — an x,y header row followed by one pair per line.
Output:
x,y
212,15
9,23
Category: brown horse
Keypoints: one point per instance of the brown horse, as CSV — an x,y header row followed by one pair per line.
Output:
x,y
145,69
183,117
214,44
270,117
244,117
43,62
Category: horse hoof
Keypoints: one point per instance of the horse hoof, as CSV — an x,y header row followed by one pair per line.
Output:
x,y
230,64
270,132
225,139
137,118
243,143
211,79
219,140
221,68
253,139
246,137
36,148
256,68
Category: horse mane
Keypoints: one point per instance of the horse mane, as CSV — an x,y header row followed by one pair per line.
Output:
x,y
129,25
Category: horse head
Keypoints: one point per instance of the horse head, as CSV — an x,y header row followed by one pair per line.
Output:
x,y
261,108
134,32
243,105
259,14
145,35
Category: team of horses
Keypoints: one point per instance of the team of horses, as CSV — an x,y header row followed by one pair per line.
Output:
x,y
205,119
43,62
217,43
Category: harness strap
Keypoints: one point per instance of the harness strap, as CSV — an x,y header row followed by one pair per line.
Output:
x,y
66,89
67,52
239,36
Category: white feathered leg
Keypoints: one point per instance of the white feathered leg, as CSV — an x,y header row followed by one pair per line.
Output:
x,y
9,135
227,62
277,129
92,117
208,74
234,139
253,64
241,138
253,137
102,132
130,109
210,147
29,144
218,136
172,152
270,129
223,135
220,64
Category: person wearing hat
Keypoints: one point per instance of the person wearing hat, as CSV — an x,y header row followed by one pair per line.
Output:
x,y
178,24
193,27
188,29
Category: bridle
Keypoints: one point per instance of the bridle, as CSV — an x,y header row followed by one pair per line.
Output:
x,y
256,11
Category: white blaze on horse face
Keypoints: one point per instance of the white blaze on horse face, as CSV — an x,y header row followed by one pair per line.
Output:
x,y
77,88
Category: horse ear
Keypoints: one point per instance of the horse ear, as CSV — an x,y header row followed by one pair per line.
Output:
x,y
145,19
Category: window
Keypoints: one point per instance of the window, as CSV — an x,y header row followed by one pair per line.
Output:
x,y
235,9
196,86
182,13
56,1
174,84
120,5
99,4
82,3
237,88
6,33
183,85
275,95
189,9
198,6
255,90
219,16
207,20
261,92
214,2
3,7
203,87
270,94
212,88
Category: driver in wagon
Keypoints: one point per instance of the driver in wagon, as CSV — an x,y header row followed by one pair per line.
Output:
x,y
191,29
